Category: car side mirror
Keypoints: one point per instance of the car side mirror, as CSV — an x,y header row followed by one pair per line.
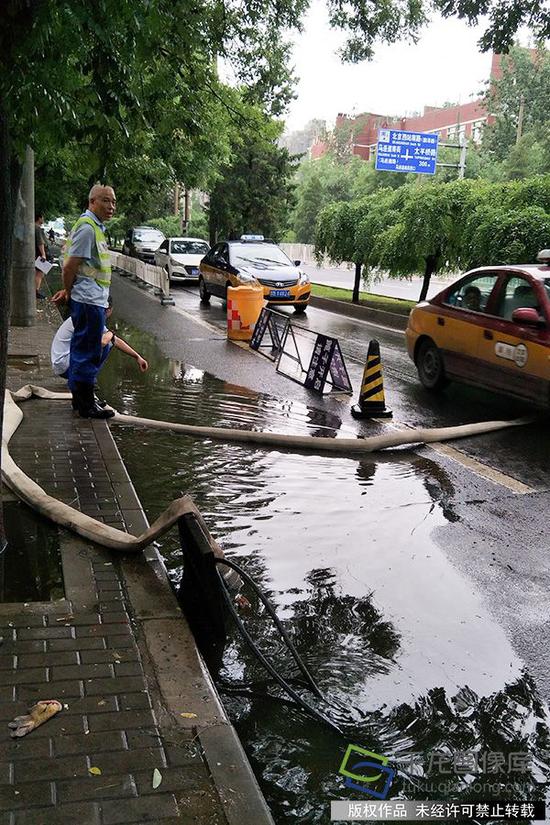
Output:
x,y
528,316
297,263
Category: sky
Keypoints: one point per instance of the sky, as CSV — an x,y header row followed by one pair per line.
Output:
x,y
445,65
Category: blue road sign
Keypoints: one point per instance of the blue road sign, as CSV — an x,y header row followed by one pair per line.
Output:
x,y
401,151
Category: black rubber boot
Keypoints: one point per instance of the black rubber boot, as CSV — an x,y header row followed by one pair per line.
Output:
x,y
87,408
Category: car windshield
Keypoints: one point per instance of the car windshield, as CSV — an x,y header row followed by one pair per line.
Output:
x,y
260,256
149,235
189,248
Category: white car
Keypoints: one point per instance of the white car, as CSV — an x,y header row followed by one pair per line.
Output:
x,y
181,257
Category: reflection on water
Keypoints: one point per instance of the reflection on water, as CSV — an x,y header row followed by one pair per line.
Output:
x,y
405,650
30,566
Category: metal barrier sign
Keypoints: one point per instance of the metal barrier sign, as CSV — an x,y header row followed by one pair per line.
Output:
x,y
314,360
269,333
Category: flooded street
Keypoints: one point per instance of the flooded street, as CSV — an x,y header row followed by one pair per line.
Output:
x,y
411,661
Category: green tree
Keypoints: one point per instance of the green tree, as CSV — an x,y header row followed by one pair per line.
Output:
x,y
498,236
254,191
523,88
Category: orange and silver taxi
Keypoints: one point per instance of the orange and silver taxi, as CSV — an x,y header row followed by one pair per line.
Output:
x,y
254,260
490,329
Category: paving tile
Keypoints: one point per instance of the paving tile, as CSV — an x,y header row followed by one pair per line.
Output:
x,y
79,813
23,676
145,809
80,672
25,795
51,768
89,743
110,656
93,687
44,690
47,659
122,719
91,705
131,701
96,787
44,633
24,748
76,644
116,763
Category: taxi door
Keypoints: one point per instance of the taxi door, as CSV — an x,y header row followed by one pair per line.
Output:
x,y
214,269
459,321
516,358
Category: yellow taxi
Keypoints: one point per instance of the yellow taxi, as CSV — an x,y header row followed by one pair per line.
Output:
x,y
490,329
254,260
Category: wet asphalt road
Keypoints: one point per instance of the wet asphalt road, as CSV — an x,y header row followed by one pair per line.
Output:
x,y
496,538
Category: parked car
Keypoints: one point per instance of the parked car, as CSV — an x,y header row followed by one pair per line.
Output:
x,y
254,260
181,257
490,329
142,242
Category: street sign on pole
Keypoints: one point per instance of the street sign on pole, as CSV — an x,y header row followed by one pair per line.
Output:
x,y
403,151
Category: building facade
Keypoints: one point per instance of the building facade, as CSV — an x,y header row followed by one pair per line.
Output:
x,y
451,123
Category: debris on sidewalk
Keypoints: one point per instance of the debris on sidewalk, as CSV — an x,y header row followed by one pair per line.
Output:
x,y
36,716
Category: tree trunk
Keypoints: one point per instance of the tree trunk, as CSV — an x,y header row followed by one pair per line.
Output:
x,y
430,268
356,283
10,176
23,298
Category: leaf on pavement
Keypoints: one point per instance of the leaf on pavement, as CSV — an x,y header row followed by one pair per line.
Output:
x,y
157,778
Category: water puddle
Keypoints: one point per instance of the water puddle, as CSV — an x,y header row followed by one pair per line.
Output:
x,y
411,661
30,567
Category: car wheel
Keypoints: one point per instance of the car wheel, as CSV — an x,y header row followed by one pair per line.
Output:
x,y
299,310
203,292
429,363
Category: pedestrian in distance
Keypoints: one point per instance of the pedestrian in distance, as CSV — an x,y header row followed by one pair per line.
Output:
x,y
39,251
86,281
51,235
61,349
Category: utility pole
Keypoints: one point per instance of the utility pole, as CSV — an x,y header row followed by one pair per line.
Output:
x,y
176,198
185,221
23,289
520,119
462,160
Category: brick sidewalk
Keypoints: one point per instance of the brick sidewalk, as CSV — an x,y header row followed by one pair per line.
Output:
x,y
116,651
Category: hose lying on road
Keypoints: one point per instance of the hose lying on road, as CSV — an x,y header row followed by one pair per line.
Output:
x,y
37,498
110,537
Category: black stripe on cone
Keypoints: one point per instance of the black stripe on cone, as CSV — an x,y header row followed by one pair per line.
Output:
x,y
372,403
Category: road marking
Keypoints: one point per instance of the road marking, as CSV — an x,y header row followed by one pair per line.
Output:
x,y
483,470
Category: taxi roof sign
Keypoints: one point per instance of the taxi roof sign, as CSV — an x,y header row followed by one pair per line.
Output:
x,y
252,237
544,256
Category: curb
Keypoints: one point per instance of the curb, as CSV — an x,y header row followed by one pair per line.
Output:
x,y
362,313
173,658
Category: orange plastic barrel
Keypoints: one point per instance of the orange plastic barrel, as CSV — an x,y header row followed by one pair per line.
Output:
x,y
244,304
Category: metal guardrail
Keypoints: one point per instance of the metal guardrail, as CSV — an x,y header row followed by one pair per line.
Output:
x,y
148,274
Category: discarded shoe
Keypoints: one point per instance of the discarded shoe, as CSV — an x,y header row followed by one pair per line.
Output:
x,y
37,715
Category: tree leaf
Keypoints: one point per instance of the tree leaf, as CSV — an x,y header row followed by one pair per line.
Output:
x,y
157,778
95,771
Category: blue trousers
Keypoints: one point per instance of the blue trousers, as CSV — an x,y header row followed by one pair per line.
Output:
x,y
86,355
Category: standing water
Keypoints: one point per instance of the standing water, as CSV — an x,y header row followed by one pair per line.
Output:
x,y
411,663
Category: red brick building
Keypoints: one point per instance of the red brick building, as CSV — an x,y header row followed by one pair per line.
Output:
x,y
449,122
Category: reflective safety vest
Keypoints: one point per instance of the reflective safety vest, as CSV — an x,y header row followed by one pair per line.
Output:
x,y
102,275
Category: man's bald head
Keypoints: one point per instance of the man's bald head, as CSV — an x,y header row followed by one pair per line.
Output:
x,y
102,201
